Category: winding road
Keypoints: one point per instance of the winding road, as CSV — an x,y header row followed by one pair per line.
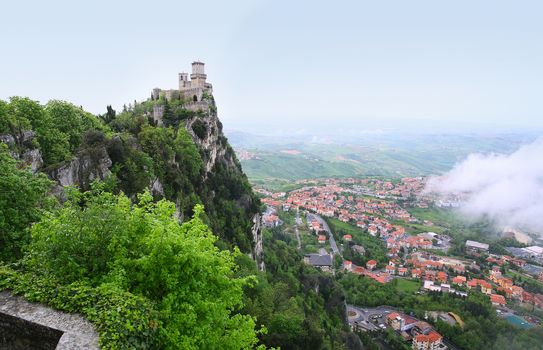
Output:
x,y
333,244
298,223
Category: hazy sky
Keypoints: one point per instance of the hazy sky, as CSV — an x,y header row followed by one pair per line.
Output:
x,y
355,62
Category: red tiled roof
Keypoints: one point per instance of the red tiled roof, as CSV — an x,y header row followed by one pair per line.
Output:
x,y
498,299
392,315
432,337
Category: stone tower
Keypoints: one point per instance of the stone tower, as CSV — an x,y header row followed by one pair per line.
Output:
x,y
198,76
183,81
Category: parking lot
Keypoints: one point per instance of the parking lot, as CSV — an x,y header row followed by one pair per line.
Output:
x,y
371,319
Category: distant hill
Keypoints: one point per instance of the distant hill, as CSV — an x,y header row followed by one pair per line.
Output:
x,y
388,155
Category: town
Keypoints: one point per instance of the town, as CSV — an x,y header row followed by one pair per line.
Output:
x,y
376,229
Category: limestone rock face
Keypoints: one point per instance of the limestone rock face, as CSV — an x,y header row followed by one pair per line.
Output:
x,y
33,159
156,187
87,166
258,250
25,151
211,141
7,139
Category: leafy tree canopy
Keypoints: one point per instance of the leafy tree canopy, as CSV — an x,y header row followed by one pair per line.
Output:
x,y
103,239
22,196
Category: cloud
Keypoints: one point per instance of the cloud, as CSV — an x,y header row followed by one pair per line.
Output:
x,y
505,188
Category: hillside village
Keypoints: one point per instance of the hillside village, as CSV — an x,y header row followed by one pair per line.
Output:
x,y
381,210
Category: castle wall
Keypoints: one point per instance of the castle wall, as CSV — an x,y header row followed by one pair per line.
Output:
x,y
197,106
189,94
171,94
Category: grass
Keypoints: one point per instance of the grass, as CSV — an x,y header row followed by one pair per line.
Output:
x,y
288,217
274,167
452,223
407,286
375,248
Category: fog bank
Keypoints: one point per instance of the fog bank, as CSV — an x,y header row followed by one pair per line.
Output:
x,y
505,188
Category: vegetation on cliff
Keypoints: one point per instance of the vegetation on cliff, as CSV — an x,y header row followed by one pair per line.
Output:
x,y
133,251
165,159
22,196
146,269
99,242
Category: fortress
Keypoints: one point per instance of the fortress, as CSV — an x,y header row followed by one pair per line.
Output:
x,y
192,92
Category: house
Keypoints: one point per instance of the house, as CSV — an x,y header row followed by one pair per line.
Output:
x,y
442,277
421,327
431,341
401,322
497,300
519,262
527,298
416,273
393,319
505,282
323,262
390,242
380,277
370,265
402,271
347,265
476,247
429,275
322,239
271,220
315,226
472,284
361,224
486,287
517,292
459,269
390,269
429,285
347,238
507,292
538,300
459,280
495,272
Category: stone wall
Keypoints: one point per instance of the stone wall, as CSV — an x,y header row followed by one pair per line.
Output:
x,y
25,325
19,334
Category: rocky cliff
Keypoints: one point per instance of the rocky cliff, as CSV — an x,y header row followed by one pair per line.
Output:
x,y
187,160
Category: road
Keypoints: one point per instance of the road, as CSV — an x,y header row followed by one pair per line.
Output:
x,y
333,244
298,223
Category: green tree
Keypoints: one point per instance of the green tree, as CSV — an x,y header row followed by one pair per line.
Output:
x,y
142,248
5,122
22,196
